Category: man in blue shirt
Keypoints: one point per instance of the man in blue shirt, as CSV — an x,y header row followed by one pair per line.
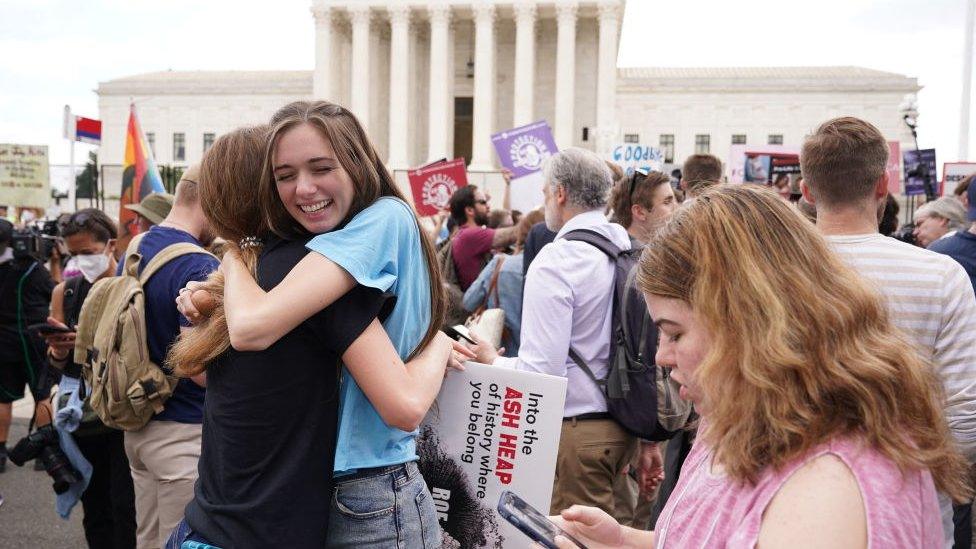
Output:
x,y
163,455
961,246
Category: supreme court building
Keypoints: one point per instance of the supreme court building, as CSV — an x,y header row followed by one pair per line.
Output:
x,y
434,79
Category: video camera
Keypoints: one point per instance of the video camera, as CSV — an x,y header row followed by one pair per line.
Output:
x,y
43,444
906,233
36,240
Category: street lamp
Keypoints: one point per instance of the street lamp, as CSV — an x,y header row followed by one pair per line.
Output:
x,y
909,115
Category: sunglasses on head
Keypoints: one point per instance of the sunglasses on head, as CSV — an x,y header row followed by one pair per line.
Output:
x,y
633,180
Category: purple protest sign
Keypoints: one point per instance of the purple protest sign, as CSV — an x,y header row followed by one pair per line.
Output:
x,y
920,175
522,150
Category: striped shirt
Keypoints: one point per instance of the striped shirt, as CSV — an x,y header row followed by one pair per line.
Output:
x,y
930,298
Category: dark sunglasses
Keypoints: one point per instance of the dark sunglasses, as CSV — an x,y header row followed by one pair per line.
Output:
x,y
483,202
633,180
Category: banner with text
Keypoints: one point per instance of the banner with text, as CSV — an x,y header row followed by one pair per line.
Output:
x,y
954,172
633,156
491,429
24,176
433,185
920,172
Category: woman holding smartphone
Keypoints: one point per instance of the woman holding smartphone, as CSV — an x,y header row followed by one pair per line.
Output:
x,y
820,424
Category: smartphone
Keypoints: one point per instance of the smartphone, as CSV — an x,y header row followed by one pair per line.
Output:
x,y
531,522
46,329
459,332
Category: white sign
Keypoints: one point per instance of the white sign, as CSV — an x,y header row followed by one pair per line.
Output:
x,y
954,172
633,156
491,429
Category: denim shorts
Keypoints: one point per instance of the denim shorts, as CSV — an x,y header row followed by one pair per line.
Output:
x,y
383,507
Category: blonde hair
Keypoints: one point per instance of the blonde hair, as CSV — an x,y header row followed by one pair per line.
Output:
x,y
229,176
802,342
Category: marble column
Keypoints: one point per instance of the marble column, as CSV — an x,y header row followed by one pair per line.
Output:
x,y
525,14
323,78
606,85
565,74
484,87
360,96
399,85
438,100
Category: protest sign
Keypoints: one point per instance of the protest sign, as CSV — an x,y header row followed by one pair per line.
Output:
x,y
633,156
739,154
522,150
894,167
491,429
955,172
920,172
24,176
433,185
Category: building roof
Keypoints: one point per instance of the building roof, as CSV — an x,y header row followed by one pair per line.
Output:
x,y
844,78
634,79
210,82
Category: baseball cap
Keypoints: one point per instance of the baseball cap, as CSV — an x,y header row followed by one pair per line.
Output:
x,y
971,195
154,207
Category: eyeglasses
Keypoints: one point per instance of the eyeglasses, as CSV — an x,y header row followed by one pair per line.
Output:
x,y
482,202
633,180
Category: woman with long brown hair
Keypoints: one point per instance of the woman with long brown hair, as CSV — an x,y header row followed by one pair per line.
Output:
x,y
322,176
820,425
271,415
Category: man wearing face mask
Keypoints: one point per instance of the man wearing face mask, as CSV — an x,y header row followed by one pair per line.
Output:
x,y
164,453
25,291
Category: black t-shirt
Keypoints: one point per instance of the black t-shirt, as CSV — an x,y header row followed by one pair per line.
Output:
x,y
35,301
269,424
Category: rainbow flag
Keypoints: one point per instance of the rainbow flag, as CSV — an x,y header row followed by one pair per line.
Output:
x,y
139,178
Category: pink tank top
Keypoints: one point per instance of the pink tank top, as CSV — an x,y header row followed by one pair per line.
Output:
x,y
708,509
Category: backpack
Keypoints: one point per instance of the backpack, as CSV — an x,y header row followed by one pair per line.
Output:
x,y
454,312
125,387
640,395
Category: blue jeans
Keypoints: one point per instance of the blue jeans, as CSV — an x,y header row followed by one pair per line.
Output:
x,y
383,507
185,538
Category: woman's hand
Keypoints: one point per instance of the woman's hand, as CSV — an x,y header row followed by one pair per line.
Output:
x,y
459,355
61,344
192,304
593,527
484,352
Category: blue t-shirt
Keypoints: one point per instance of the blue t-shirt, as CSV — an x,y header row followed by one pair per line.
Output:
x,y
380,247
163,321
961,247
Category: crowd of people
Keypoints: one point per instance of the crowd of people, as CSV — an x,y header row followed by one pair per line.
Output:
x,y
814,377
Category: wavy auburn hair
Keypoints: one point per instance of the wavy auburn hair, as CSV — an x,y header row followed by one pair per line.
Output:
x,y
802,348
229,176
370,177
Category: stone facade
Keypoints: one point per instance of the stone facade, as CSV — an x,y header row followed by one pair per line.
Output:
x,y
437,62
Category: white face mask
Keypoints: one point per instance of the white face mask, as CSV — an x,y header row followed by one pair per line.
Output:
x,y
92,265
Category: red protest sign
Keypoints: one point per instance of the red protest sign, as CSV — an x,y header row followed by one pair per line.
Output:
x,y
433,185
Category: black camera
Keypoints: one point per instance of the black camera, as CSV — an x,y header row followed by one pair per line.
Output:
x,y
43,444
36,240
906,234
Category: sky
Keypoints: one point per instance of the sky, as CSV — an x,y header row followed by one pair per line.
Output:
x,y
54,52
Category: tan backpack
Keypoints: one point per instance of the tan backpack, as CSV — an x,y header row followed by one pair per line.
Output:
x,y
125,387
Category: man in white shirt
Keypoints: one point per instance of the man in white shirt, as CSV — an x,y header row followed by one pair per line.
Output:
x,y
568,302
928,294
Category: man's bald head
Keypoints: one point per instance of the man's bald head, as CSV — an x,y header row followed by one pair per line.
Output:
x,y
187,190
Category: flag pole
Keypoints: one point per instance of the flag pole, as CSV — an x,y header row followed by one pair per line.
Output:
x,y
70,130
